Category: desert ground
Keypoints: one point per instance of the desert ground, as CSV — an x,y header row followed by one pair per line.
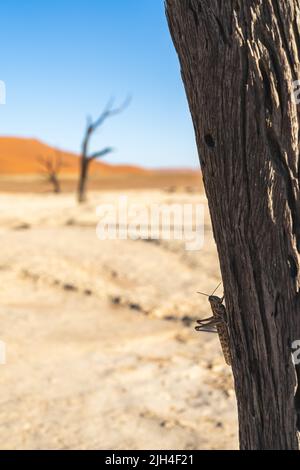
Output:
x,y
100,340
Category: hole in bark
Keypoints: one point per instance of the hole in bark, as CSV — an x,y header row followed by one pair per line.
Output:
x,y
293,267
209,140
298,245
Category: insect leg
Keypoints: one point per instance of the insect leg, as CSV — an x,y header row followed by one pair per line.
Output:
x,y
208,324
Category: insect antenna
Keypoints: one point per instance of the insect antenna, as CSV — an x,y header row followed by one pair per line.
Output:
x,y
216,288
206,295
202,293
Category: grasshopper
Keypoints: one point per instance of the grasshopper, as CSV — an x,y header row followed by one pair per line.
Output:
x,y
217,323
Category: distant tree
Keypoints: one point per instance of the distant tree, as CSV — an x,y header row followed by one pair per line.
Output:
x,y
51,166
86,158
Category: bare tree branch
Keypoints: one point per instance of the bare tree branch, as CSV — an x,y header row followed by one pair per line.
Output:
x,y
101,154
109,111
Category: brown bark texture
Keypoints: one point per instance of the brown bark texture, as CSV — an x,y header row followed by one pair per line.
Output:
x,y
239,59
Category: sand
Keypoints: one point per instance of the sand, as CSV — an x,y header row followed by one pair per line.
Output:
x,y
101,347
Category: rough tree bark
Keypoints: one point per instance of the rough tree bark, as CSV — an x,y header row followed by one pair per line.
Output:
x,y
239,59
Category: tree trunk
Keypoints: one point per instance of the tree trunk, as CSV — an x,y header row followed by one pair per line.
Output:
x,y
238,61
84,164
56,184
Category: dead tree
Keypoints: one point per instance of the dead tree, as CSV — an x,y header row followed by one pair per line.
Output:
x,y
239,60
51,167
87,158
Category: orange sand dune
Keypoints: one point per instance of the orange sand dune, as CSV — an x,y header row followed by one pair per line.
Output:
x,y
20,156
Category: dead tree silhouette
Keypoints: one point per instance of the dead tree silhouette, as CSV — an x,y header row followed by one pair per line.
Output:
x,y
86,158
51,166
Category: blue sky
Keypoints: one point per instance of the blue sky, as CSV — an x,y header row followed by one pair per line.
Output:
x,y
62,60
